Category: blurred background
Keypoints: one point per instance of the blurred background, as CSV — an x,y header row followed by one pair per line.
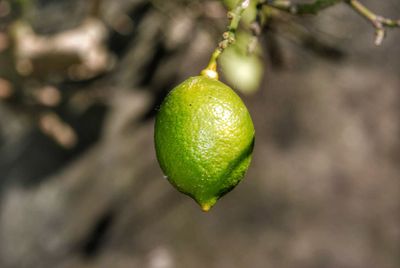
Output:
x,y
79,182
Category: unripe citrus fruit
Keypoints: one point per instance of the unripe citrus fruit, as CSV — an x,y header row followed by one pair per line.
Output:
x,y
243,70
204,139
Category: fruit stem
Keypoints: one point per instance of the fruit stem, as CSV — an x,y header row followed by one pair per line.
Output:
x,y
228,38
211,70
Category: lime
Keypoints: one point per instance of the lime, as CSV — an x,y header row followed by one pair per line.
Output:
x,y
204,139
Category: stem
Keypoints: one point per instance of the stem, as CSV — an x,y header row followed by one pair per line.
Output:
x,y
228,38
379,22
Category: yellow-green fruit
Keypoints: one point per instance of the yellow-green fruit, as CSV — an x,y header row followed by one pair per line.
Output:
x,y
242,71
204,139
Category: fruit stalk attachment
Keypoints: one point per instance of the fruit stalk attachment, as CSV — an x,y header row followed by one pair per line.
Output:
x,y
228,38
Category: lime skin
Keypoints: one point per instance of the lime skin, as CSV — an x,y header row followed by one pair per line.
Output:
x,y
204,138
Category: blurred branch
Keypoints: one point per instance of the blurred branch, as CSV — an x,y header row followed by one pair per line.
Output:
x,y
380,23
79,53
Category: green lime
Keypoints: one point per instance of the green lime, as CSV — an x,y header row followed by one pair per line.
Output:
x,y
204,139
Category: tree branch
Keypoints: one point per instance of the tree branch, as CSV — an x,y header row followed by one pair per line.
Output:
x,y
380,23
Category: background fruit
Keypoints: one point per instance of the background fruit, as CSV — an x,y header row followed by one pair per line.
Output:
x,y
204,138
243,70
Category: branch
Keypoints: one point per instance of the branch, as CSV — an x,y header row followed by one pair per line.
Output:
x,y
380,23
228,38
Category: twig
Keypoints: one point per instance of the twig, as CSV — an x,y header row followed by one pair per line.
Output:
x,y
228,38
380,23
